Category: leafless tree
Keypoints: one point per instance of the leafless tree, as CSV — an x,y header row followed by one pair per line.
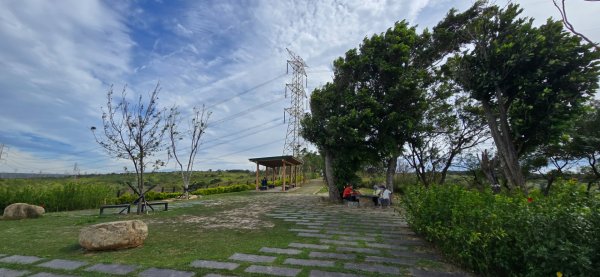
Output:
x,y
197,128
134,132
563,13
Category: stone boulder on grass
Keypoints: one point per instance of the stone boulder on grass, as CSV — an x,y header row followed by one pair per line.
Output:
x,y
22,211
113,235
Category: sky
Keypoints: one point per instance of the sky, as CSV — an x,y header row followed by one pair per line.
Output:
x,y
59,58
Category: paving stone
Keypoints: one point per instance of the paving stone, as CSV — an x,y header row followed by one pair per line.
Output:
x,y
280,251
305,230
406,242
308,245
2,255
272,270
331,255
296,220
372,268
157,272
359,250
307,262
357,238
313,235
5,272
424,273
400,261
63,264
214,264
117,269
17,259
319,273
46,274
339,242
381,245
412,254
310,223
343,233
218,275
252,258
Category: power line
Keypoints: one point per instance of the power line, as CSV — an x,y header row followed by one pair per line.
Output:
x,y
246,91
244,112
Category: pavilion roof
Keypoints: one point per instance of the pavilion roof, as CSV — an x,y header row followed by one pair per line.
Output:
x,y
276,161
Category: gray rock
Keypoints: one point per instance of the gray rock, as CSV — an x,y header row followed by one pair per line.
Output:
x,y
113,235
305,230
22,211
313,235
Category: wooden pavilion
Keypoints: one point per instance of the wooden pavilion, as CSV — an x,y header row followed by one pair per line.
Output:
x,y
279,163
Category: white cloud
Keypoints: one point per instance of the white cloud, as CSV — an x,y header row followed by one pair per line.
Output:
x,y
62,55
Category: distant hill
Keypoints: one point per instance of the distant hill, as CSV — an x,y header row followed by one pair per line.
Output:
x,y
29,175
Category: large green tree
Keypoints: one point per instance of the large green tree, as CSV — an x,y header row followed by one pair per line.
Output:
x,y
335,126
530,81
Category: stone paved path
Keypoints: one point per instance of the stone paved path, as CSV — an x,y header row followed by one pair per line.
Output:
x,y
331,240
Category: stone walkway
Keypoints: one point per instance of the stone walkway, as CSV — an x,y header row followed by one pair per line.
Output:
x,y
332,241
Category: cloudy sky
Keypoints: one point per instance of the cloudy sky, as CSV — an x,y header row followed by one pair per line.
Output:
x,y
58,59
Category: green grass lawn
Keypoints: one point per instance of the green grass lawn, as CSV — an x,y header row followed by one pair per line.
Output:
x,y
171,242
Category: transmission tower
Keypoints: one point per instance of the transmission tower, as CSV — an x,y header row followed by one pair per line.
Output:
x,y
295,112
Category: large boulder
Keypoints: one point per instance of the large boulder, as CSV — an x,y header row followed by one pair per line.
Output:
x,y
22,210
113,235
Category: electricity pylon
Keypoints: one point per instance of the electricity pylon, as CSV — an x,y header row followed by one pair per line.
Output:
x,y
295,112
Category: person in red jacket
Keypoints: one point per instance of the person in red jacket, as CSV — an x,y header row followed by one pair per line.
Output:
x,y
349,193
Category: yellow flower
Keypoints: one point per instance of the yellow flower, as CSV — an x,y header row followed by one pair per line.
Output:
x,y
558,274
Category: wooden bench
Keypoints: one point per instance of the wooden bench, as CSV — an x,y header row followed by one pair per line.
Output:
x,y
124,206
165,204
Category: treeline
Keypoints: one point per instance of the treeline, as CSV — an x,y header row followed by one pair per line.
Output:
x,y
431,98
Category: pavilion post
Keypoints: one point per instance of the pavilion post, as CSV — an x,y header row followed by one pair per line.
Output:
x,y
284,171
256,176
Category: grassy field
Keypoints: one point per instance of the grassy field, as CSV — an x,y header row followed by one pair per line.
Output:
x,y
175,239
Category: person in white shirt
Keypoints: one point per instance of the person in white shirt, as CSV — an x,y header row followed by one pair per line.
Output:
x,y
386,194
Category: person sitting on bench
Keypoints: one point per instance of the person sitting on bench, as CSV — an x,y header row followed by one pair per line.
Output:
x,y
349,193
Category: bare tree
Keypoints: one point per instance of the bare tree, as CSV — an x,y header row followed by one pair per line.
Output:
x,y
563,13
196,129
134,132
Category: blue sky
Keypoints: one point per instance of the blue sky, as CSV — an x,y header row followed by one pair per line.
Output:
x,y
58,59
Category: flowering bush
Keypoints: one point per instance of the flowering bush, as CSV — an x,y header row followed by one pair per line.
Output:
x,y
504,235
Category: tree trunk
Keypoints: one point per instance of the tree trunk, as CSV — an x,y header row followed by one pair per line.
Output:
x,y
506,149
391,172
334,193
549,182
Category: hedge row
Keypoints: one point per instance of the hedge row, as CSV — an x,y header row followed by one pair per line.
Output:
x,y
504,235
73,196
217,190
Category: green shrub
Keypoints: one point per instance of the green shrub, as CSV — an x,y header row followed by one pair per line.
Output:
x,y
222,189
59,197
503,235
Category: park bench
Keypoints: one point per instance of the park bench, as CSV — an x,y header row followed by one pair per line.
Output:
x,y
123,206
165,204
